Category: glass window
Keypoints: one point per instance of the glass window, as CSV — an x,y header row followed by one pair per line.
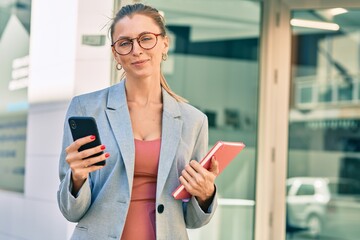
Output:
x,y
306,190
14,63
324,124
288,188
214,63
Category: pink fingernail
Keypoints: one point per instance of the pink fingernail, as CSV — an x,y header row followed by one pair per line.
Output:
x,y
102,147
107,155
92,137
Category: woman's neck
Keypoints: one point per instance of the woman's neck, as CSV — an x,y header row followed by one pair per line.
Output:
x,y
143,91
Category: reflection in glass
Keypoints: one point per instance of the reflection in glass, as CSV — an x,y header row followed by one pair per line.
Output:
x,y
323,185
14,72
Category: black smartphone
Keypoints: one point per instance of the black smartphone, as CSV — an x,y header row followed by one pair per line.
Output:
x,y
82,127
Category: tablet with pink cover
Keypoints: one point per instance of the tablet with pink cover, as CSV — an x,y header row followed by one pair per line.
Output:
x,y
224,153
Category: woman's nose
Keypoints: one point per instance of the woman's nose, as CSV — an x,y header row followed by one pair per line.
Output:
x,y
136,47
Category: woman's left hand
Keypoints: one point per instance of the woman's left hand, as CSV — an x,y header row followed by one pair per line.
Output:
x,y
199,182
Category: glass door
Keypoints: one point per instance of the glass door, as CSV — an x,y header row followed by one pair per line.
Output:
x,y
323,180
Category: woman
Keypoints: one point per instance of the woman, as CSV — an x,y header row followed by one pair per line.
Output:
x,y
149,136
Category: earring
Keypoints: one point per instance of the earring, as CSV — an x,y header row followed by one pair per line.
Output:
x,y
118,66
164,56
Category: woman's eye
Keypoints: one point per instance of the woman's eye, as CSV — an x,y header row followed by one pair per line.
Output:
x,y
145,38
124,44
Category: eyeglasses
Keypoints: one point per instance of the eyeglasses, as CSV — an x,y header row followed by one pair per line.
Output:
x,y
146,41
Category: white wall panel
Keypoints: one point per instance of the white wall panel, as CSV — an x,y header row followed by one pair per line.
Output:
x,y
30,218
91,75
52,50
93,62
60,67
45,127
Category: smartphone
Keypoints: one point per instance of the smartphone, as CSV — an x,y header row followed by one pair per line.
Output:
x,y
82,127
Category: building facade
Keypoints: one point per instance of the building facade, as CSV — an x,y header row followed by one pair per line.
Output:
x,y
289,91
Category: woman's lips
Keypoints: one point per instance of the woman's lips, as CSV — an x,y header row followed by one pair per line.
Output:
x,y
138,63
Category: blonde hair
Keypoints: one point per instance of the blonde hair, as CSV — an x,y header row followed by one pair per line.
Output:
x,y
159,20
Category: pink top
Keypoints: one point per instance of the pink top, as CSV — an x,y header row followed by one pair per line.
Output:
x,y
140,221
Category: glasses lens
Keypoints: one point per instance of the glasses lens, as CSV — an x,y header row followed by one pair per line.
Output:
x,y
123,46
147,41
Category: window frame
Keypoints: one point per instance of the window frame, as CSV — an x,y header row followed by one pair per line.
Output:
x,y
272,151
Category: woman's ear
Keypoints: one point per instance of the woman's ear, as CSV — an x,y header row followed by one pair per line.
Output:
x,y
166,43
116,55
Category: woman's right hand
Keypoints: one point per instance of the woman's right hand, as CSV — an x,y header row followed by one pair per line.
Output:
x,y
81,167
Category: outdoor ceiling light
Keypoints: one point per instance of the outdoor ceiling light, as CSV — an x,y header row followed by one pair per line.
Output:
x,y
314,24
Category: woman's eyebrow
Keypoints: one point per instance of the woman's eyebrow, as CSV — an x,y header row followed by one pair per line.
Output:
x,y
123,37
126,37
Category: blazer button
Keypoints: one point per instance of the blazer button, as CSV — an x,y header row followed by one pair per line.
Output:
x,y
160,208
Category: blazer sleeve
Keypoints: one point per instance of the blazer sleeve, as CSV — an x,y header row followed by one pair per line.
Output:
x,y
72,207
195,217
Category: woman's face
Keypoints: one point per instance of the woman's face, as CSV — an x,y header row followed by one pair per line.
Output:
x,y
140,62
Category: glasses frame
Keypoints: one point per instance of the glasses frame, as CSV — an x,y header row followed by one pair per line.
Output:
x,y
138,41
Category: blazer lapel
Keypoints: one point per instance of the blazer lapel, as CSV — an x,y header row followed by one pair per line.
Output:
x,y
119,118
170,137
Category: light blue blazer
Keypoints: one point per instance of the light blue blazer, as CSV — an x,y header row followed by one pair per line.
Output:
x,y
101,206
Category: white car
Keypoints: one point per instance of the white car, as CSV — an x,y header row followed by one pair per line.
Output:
x,y
324,206
307,199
